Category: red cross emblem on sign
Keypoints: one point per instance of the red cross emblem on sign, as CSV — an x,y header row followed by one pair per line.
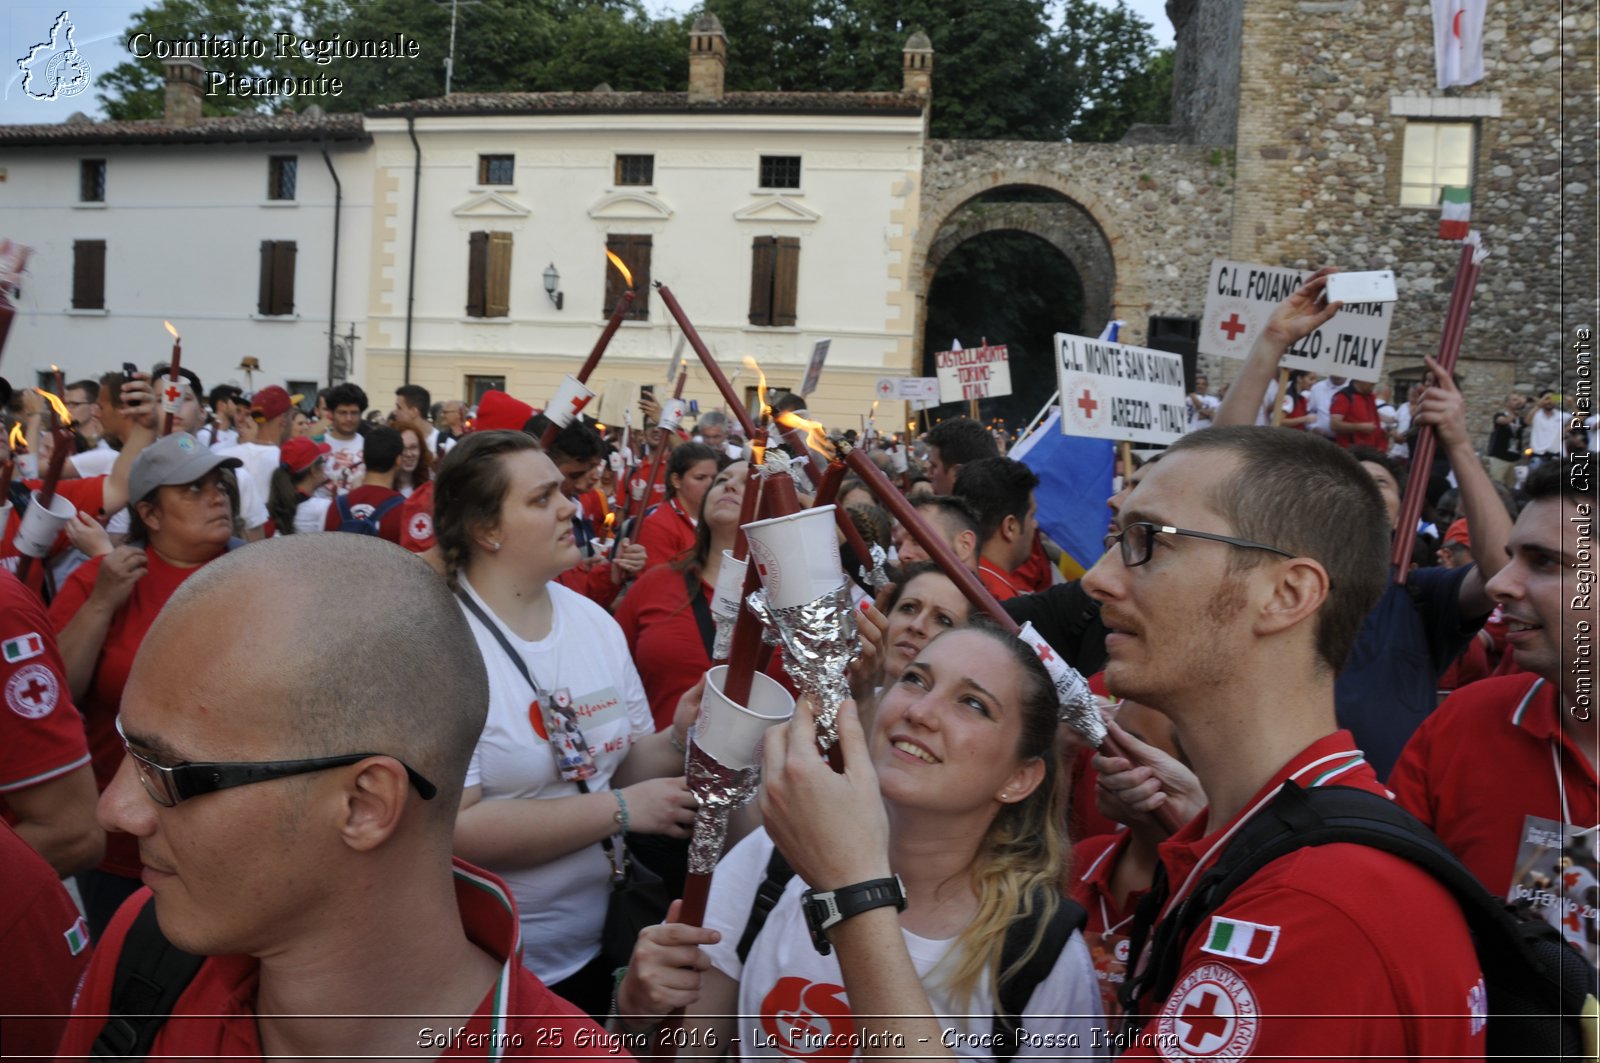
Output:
x,y
1233,326
885,389
1202,1020
1087,404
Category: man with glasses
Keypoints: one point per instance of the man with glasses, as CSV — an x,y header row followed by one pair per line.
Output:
x,y
295,828
1231,613
83,404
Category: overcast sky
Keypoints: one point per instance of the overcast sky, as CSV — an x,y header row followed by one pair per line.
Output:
x,y
100,26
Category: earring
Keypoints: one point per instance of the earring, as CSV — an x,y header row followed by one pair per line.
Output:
x,y
494,546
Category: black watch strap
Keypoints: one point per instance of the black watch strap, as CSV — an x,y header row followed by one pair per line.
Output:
x,y
828,908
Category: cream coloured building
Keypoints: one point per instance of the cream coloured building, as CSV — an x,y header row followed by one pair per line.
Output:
x,y
776,219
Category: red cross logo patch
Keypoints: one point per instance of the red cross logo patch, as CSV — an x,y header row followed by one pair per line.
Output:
x,y
1083,405
32,692
1211,1014
421,527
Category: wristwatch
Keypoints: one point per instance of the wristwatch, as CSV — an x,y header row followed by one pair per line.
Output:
x,y
827,909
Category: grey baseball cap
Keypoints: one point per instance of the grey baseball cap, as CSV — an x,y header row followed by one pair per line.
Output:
x,y
176,459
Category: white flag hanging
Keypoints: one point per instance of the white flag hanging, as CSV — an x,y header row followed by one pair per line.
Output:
x,y
1458,41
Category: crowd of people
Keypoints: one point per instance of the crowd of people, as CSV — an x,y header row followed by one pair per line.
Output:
x,y
407,770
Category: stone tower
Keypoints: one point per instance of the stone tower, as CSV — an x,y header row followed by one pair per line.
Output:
x,y
184,89
708,59
918,64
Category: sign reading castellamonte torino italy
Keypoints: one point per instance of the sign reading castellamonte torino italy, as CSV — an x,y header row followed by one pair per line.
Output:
x,y
1241,297
283,45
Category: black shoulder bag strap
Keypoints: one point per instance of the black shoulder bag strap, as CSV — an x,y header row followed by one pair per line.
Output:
x,y
702,613
767,894
152,974
1013,994
618,868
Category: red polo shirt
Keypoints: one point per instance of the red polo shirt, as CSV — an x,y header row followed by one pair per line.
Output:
x,y
41,733
1314,938
664,638
215,1017
1001,583
665,533
1358,408
1094,860
1485,761
46,946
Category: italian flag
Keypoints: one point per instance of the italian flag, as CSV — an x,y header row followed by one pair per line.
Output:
x,y
1240,940
22,648
1455,210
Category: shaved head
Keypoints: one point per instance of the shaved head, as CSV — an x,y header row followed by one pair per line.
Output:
x,y
388,664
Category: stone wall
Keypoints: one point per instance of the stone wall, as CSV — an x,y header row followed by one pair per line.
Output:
x,y
1205,73
1163,211
1319,154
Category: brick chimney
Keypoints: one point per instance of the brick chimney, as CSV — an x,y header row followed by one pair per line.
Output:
x,y
917,64
185,86
708,59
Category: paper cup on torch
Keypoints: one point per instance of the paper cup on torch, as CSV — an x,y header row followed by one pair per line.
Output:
x,y
173,392
40,526
672,411
732,733
571,397
730,584
797,556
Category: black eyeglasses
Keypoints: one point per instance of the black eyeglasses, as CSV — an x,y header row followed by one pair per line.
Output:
x,y
179,782
1138,541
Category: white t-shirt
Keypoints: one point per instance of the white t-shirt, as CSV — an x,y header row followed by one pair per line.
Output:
x,y
562,902
788,992
260,460
1209,404
211,436
96,461
1319,400
1544,431
312,515
346,464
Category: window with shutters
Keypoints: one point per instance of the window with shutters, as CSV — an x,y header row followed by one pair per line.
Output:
x,y
277,278
636,169
496,169
635,253
780,171
774,279
489,275
92,181
281,173
88,274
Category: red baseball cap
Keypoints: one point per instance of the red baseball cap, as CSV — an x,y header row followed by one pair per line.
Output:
x,y
1457,533
300,453
498,410
270,402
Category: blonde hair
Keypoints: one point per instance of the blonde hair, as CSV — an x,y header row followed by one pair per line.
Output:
x,y
1022,861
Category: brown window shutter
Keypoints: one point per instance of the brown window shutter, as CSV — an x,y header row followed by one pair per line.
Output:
x,y
477,275
638,259
89,275
761,280
283,255
615,285
785,280
264,298
497,288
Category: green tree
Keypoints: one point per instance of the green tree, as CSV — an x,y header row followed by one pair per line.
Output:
x,y
134,89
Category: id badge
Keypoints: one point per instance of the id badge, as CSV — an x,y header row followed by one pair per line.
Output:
x,y
567,744
1557,877
1110,955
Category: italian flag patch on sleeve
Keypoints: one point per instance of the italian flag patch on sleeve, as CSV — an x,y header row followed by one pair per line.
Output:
x,y
22,648
1238,940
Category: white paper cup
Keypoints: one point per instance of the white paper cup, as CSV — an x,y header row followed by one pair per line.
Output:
x,y
173,391
571,397
41,526
797,556
732,733
729,591
672,411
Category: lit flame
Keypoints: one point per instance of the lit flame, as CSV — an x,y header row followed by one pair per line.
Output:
x,y
761,386
622,268
758,452
816,435
172,330
18,440
611,518
874,412
60,407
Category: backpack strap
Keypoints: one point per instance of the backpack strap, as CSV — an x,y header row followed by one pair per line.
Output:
x,y
152,974
1012,997
384,508
772,886
702,613
342,504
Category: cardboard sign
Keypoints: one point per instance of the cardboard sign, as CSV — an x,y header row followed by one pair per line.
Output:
x,y
677,360
618,399
1117,391
979,373
819,354
1240,299
908,388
